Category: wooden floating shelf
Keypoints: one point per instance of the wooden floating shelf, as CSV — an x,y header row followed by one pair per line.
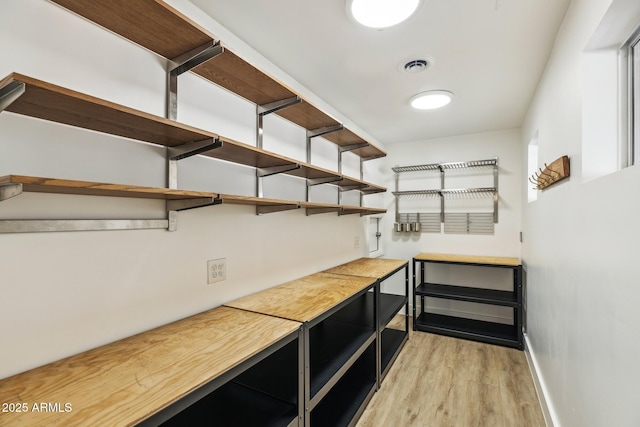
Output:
x,y
127,381
87,188
64,186
173,34
61,105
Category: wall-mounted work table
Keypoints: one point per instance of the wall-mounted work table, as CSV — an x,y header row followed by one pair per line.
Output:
x,y
213,357
339,335
308,352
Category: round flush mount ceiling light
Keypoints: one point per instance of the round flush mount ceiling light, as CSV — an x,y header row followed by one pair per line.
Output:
x,y
431,100
381,13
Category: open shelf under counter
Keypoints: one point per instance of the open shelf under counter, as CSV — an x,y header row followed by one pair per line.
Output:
x,y
160,28
130,380
463,293
478,330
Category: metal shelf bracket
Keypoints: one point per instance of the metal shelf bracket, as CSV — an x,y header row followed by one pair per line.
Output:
x,y
181,205
344,148
265,209
274,170
8,191
9,93
317,181
312,133
184,63
192,148
38,226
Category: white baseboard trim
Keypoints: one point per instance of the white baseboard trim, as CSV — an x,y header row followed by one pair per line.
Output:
x,y
549,414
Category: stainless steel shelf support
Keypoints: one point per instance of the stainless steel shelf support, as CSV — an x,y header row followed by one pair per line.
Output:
x,y
181,205
261,210
315,211
192,148
313,133
261,111
38,226
274,170
344,148
9,93
8,191
317,181
182,64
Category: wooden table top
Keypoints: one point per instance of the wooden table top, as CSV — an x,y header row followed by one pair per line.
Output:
x,y
304,299
375,268
124,382
468,259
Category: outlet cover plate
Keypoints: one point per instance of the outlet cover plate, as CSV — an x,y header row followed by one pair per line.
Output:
x,y
216,270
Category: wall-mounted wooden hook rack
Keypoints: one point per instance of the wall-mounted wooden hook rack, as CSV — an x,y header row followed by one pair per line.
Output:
x,y
557,171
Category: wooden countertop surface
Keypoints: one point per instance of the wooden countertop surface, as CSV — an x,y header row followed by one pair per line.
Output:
x,y
375,268
129,380
304,299
468,259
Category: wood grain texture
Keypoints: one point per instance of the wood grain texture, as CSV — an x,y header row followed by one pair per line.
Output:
x,y
152,24
64,186
374,268
61,105
469,259
553,173
255,201
439,381
158,27
125,382
303,299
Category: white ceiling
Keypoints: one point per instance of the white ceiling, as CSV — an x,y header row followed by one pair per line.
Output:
x,y
489,53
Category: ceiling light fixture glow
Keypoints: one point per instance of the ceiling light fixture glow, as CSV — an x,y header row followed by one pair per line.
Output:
x,y
381,13
431,100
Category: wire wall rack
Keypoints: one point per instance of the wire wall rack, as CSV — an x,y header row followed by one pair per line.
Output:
x,y
425,222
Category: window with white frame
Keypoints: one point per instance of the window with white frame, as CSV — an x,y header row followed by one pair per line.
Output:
x,y
634,95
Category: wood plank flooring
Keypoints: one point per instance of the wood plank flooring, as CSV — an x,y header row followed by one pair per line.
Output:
x,y
439,381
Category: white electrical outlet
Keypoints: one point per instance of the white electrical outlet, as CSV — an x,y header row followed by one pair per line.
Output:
x,y
216,270
356,242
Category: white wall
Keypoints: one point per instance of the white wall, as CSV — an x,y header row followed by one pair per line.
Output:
x,y
62,293
503,144
581,252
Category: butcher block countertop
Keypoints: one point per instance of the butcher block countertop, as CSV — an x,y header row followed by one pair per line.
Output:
x,y
124,382
306,298
375,268
468,259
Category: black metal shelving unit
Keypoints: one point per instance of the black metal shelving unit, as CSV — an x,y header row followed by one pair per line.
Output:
x,y
509,335
264,390
389,340
341,361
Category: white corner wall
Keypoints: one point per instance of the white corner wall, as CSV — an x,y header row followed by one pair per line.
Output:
x,y
62,293
580,250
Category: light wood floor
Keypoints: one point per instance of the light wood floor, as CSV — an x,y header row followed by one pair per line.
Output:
x,y
440,381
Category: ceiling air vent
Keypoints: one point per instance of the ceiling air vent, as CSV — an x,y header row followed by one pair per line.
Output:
x,y
416,66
